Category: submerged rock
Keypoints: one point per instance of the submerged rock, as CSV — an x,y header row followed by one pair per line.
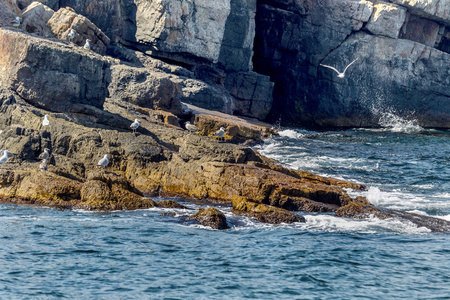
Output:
x,y
210,217
362,209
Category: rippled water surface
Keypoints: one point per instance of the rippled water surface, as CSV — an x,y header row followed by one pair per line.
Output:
x,y
49,254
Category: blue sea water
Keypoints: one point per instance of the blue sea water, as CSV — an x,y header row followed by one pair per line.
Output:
x,y
52,254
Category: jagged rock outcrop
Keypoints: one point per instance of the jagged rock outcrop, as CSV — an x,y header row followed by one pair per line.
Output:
x,y
400,68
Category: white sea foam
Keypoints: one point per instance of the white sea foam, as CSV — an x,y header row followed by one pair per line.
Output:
x,y
372,225
396,123
374,195
290,133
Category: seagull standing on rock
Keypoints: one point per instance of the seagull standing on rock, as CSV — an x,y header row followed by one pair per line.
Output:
x,y
340,75
135,125
16,22
191,127
87,45
43,166
103,162
220,133
45,122
45,154
4,157
71,35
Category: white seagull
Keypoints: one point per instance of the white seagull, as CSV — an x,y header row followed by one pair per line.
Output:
x,y
45,122
87,45
340,75
44,154
135,125
71,35
220,133
4,157
16,22
191,127
103,162
43,166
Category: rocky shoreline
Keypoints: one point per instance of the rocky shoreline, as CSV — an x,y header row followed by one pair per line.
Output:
x,y
92,98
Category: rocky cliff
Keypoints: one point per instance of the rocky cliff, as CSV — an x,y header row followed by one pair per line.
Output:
x,y
403,56
262,58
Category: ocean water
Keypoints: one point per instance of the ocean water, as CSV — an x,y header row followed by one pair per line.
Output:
x,y
52,254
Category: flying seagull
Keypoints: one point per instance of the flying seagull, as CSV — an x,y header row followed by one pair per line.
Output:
x,y
87,45
43,166
16,22
103,162
45,122
135,125
191,127
44,154
71,35
340,75
220,133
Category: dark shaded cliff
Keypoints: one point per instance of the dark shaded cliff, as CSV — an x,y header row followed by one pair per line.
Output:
x,y
403,61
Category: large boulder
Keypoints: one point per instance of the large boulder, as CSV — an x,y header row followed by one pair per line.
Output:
x,y
52,75
139,86
386,19
66,19
211,217
35,18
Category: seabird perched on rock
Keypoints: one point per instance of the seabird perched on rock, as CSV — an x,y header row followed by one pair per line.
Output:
x,y
43,166
45,122
16,22
191,127
71,35
4,157
340,75
135,125
220,133
44,154
103,162
87,45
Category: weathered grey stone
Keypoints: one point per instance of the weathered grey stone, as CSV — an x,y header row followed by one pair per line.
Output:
x,y
51,75
236,50
431,9
252,93
208,96
397,76
386,19
66,18
147,89
8,12
35,18
420,30
194,27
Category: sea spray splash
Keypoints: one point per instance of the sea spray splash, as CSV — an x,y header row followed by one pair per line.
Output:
x,y
374,195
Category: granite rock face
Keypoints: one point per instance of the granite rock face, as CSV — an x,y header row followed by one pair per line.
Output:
x,y
52,75
293,39
193,33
